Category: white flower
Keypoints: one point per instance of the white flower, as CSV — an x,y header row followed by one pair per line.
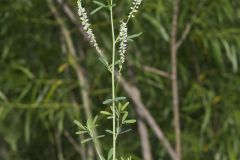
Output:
x,y
123,43
134,8
86,25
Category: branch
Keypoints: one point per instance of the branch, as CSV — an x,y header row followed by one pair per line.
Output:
x,y
75,145
189,25
184,34
144,138
157,71
135,96
175,96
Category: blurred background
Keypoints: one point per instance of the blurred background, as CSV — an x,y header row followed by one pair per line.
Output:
x,y
50,75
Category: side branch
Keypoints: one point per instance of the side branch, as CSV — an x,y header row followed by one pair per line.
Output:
x,y
157,71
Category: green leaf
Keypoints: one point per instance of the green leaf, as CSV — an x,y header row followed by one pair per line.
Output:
x,y
106,113
100,136
107,101
128,130
110,117
125,106
79,125
86,140
95,119
27,127
119,98
110,154
157,24
24,70
89,124
124,117
206,118
109,131
3,97
130,121
134,36
119,106
81,132
102,158
116,99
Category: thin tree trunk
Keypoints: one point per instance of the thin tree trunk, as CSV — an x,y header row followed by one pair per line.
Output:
x,y
135,95
174,50
146,147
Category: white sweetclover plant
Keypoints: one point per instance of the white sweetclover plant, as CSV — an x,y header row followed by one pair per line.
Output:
x,y
118,108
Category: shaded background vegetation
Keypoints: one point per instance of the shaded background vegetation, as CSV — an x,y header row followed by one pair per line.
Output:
x,y
40,93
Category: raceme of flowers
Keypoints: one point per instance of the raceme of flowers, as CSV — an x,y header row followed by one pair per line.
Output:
x,y
123,43
134,8
85,22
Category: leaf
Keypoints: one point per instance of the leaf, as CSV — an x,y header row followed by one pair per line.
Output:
x,y
107,101
119,98
95,119
119,106
125,106
89,124
24,70
128,130
62,67
134,36
81,132
157,24
110,154
105,113
27,127
206,118
102,158
60,121
116,99
3,97
217,53
86,140
109,131
124,117
79,125
101,136
234,59
110,117
130,121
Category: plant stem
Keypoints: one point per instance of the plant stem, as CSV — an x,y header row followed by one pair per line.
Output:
x,y
113,80
97,150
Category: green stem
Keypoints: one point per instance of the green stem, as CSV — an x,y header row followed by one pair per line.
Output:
x,y
98,153
113,80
